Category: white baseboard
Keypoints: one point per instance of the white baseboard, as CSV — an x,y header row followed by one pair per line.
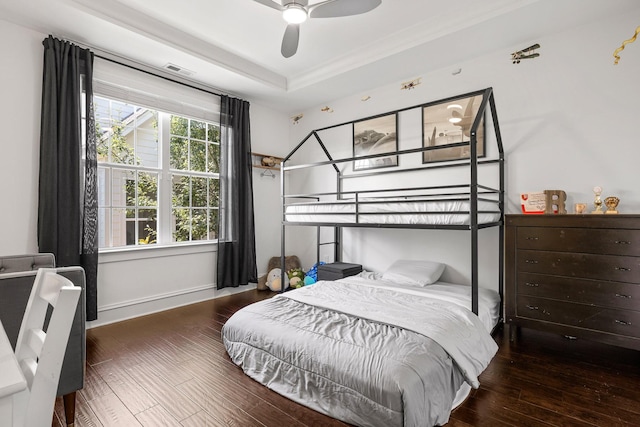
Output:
x,y
155,303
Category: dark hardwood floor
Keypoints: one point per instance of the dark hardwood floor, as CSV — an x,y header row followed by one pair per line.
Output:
x,y
171,369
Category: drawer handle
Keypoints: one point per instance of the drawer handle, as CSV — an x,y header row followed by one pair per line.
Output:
x,y
532,238
530,261
622,268
623,296
622,242
533,307
532,285
622,322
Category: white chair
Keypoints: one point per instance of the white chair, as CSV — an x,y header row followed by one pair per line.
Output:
x,y
39,353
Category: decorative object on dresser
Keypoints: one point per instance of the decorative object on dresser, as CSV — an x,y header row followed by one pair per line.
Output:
x,y
533,203
612,203
544,202
577,276
597,201
554,202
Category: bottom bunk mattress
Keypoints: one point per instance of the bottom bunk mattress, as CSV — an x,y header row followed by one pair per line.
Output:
x,y
364,350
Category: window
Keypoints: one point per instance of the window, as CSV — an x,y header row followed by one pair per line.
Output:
x,y
158,179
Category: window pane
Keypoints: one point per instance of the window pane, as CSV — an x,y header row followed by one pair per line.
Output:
x,y
199,224
181,225
147,226
180,195
121,111
130,188
213,158
213,224
179,153
214,192
179,126
147,189
121,135
104,227
118,227
213,133
198,130
122,187
198,192
103,186
147,147
101,108
198,156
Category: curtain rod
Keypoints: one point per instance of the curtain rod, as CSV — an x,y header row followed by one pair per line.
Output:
x,y
152,71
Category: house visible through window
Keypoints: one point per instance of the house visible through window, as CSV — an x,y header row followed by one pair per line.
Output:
x,y
157,176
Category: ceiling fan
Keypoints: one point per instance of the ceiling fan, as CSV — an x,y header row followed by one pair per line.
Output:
x,y
296,12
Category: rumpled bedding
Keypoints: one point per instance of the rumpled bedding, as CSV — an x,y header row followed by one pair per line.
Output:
x,y
361,351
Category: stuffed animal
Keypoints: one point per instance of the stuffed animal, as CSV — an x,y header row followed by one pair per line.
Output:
x,y
313,273
296,277
274,280
268,161
290,262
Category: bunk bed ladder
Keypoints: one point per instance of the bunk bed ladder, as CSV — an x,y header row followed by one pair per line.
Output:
x,y
337,252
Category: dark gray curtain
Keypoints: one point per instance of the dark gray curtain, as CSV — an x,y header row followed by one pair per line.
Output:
x,y
67,199
236,230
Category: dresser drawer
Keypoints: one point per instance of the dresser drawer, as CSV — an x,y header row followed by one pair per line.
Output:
x,y
600,293
589,266
586,240
621,322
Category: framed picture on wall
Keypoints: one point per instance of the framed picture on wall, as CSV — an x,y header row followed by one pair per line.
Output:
x,y
376,135
448,123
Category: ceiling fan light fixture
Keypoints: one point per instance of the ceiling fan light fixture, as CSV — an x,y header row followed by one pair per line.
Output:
x,y
294,13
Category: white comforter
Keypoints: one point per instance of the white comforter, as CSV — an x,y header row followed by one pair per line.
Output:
x,y
368,352
455,328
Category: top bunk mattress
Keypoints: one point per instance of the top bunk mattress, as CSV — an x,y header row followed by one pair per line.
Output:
x,y
401,210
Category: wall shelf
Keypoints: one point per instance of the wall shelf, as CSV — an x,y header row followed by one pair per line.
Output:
x,y
267,163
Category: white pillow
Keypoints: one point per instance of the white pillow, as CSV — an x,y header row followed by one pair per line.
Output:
x,y
415,273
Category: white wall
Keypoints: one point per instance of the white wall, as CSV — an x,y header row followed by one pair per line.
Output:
x,y
269,135
20,86
134,282
568,121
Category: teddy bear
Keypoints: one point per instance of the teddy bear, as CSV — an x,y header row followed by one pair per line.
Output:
x,y
274,280
290,262
296,277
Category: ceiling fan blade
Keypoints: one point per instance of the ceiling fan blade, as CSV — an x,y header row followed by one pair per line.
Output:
x,y
290,40
337,8
270,3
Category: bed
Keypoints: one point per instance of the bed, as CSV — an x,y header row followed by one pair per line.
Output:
x,y
367,349
382,350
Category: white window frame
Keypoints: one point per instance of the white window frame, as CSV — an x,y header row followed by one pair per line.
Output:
x,y
128,85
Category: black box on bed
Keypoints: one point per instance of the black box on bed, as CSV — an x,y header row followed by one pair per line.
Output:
x,y
338,270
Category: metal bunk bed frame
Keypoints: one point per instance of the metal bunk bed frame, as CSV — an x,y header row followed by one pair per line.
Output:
x,y
475,190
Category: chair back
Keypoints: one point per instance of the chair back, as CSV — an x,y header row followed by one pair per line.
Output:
x,y
40,348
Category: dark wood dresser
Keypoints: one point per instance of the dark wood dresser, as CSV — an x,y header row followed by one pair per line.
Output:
x,y
575,275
